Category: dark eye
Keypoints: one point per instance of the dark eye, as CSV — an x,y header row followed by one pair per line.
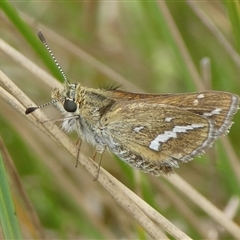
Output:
x,y
70,105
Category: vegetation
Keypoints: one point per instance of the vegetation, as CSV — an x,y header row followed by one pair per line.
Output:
x,y
144,46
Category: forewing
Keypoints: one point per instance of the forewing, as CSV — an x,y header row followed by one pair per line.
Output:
x,y
218,107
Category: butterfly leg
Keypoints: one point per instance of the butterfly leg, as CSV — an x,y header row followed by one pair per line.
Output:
x,y
100,161
79,142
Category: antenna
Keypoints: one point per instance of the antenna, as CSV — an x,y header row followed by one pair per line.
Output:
x,y
32,109
43,40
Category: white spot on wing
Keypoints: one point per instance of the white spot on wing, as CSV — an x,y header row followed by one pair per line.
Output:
x,y
195,102
200,96
138,129
168,119
213,112
162,138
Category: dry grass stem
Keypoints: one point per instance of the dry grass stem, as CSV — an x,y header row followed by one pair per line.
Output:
x,y
205,205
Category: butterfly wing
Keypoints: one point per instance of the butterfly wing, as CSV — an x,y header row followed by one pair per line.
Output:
x,y
219,107
155,137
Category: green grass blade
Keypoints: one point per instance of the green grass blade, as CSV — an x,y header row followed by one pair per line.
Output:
x,y
8,217
30,37
233,12
159,19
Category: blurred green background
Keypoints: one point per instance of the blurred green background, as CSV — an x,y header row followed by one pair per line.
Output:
x,y
131,44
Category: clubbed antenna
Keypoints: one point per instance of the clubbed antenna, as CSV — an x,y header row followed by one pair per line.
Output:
x,y
32,109
42,38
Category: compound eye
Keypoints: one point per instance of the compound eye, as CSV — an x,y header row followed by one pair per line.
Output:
x,y
70,105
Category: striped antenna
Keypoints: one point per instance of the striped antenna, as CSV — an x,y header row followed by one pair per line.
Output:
x,y
32,109
43,40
